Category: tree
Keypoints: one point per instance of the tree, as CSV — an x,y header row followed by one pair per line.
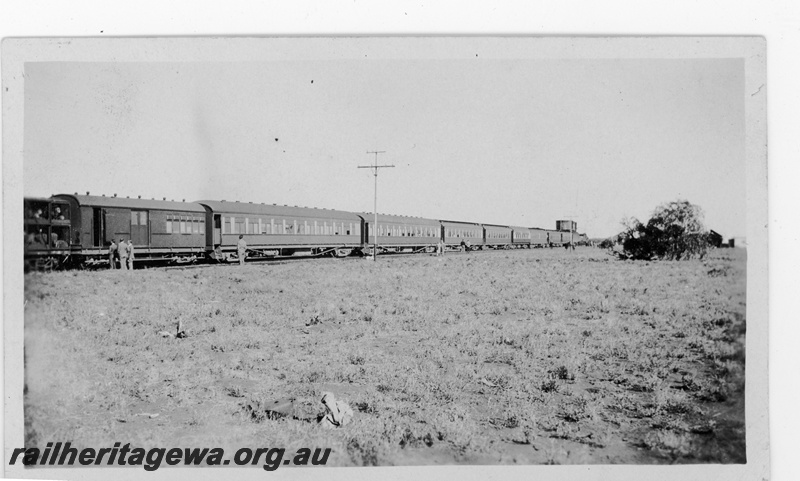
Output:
x,y
679,213
675,231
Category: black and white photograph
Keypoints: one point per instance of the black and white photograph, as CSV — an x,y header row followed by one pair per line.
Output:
x,y
294,254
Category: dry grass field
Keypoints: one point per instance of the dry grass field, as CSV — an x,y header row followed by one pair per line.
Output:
x,y
530,357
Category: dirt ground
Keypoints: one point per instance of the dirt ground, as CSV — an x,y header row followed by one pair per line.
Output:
x,y
529,357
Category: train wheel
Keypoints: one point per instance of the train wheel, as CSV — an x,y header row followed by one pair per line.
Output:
x,y
342,252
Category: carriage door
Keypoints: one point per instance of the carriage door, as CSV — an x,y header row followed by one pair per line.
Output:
x,y
140,228
98,227
217,229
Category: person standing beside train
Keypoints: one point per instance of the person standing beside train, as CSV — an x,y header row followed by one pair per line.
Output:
x,y
130,254
112,254
241,248
123,254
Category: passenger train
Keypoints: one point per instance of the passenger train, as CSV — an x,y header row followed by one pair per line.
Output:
x,y
71,230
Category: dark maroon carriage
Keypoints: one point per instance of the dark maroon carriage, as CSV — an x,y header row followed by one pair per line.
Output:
x,y
275,231
161,230
401,234
456,232
498,236
520,237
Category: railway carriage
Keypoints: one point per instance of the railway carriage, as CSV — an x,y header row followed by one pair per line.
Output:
x,y
497,236
273,230
558,238
454,232
401,234
520,237
553,237
538,237
161,230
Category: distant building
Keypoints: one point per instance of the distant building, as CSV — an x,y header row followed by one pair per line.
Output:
x,y
740,242
566,225
715,239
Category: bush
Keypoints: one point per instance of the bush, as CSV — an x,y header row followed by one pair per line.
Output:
x,y
606,244
675,231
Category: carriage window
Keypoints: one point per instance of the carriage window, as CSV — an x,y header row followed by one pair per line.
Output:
x,y
59,237
60,212
169,223
134,218
36,237
36,210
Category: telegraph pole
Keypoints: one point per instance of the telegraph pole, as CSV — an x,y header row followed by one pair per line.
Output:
x,y
375,168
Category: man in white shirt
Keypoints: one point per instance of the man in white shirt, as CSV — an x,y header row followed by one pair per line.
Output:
x,y
241,247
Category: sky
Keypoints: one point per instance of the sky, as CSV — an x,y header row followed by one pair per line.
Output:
x,y
507,141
